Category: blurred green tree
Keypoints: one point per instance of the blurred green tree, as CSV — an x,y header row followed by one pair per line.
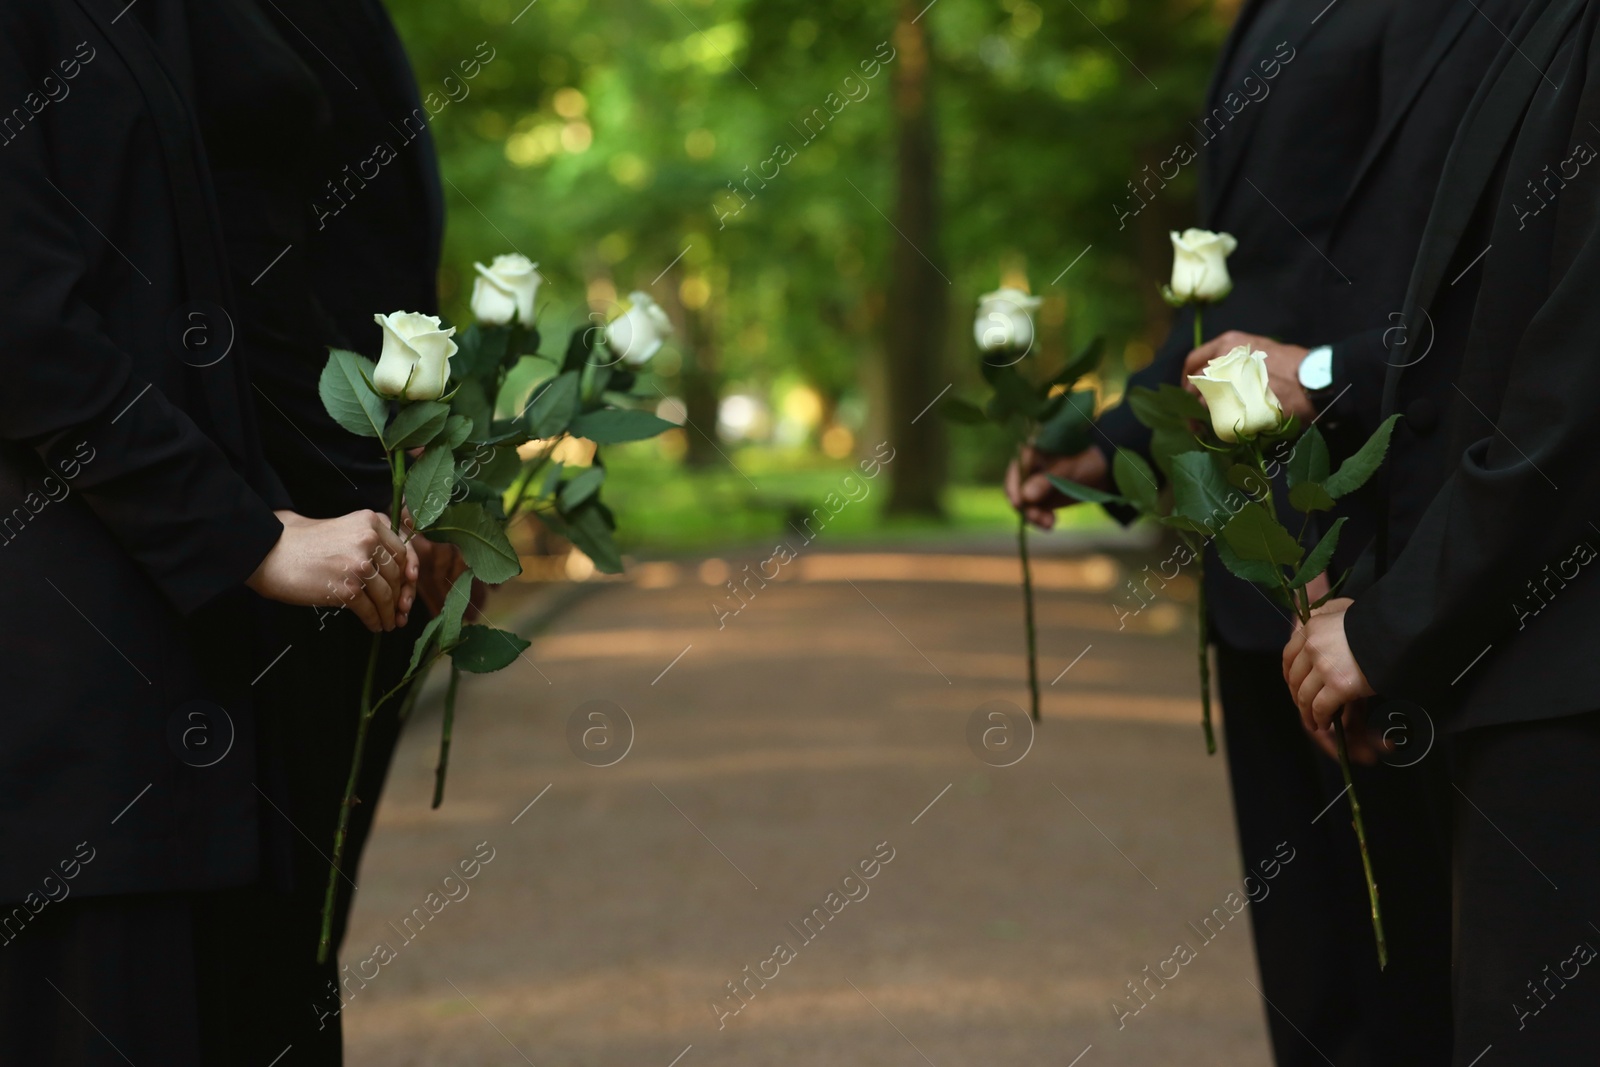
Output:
x,y
818,191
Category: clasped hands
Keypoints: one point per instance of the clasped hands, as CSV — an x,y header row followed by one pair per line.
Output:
x,y
356,561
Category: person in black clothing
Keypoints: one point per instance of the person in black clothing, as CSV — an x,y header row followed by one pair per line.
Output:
x,y
139,510
270,75
1481,611
1328,202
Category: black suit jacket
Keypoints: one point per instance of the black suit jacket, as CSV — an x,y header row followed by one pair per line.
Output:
x,y
1484,608
1355,292
375,230
1274,175
135,498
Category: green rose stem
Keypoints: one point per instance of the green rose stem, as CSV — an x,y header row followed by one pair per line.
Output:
x,y
1301,600
444,737
368,709
1199,336
1027,608
1204,653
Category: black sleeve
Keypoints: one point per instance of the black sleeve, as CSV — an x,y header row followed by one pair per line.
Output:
x,y
1500,515
1360,364
165,490
1118,428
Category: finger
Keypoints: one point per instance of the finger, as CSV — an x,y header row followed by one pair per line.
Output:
x,y
1325,706
1037,489
1300,669
383,595
365,610
1013,484
1291,651
1305,695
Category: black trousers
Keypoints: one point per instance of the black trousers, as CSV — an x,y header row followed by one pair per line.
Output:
x,y
1528,893
1326,999
101,982
277,997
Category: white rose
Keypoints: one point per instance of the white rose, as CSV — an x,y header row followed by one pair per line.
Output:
x,y
1200,265
505,290
638,333
1238,395
1004,321
416,355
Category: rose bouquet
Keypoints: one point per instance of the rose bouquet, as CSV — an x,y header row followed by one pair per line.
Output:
x,y
467,460
1051,413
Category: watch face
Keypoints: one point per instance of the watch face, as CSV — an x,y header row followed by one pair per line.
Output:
x,y
1316,370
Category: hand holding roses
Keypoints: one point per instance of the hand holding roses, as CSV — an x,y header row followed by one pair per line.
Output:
x,y
1321,671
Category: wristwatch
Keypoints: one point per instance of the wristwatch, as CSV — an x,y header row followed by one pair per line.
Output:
x,y
1316,370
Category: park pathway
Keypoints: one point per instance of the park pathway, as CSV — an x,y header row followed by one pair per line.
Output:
x,y
662,803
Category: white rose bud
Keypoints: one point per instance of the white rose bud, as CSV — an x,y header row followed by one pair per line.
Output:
x,y
1004,321
638,333
1238,395
1200,266
505,290
415,363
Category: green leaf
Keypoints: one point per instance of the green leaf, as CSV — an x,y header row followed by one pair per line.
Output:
x,y
424,639
428,485
1317,561
554,405
457,428
1066,433
348,395
455,607
1245,477
1013,395
613,426
963,411
481,539
1081,364
551,478
500,469
1169,442
1250,570
1333,591
1086,494
446,625
1166,405
579,345
1310,496
416,424
471,402
1255,533
589,527
1200,495
1308,460
581,488
1135,480
1354,472
483,649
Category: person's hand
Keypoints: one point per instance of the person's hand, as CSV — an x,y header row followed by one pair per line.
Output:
x,y
1319,668
441,565
1360,741
1028,484
354,561
1283,368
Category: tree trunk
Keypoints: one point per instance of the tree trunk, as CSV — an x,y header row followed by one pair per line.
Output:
x,y
918,288
702,386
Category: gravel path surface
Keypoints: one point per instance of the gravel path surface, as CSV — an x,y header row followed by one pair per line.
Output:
x,y
823,733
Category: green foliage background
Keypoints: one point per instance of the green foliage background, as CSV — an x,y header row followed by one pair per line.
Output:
x,y
602,138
